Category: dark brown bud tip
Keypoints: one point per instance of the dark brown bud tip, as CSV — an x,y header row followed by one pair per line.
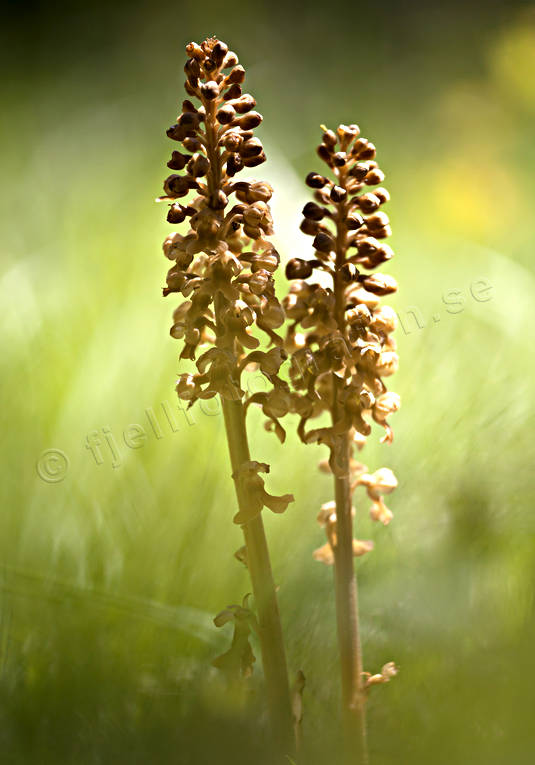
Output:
x,y
210,90
176,214
232,141
234,165
237,75
244,104
219,51
359,171
178,161
325,154
380,284
192,68
192,144
338,194
323,242
298,269
233,92
349,272
194,51
313,211
315,181
249,121
329,138
254,161
226,114
176,186
354,221
198,165
250,148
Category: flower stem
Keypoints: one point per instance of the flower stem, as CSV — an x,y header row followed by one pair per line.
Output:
x,y
353,697
269,626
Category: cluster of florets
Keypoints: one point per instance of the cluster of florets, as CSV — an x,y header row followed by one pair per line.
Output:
x,y
224,264
340,337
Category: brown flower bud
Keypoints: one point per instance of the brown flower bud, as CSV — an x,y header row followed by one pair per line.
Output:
x,y
178,161
361,547
313,211
329,138
346,133
231,59
382,233
198,165
226,114
349,273
382,195
219,51
316,181
233,92
232,141
388,403
298,269
176,132
338,194
251,148
387,364
249,121
359,171
310,227
185,387
259,281
384,320
176,214
176,186
339,158
323,242
380,284
380,512
194,51
192,68
377,221
259,191
363,149
189,120
237,75
368,202
359,316
234,165
324,153
367,245
254,161
374,177
354,222
192,144
244,104
210,90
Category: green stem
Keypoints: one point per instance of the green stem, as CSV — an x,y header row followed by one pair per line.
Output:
x,y
353,698
353,695
270,631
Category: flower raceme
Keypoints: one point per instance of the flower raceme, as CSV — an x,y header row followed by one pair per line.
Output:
x,y
223,266
340,336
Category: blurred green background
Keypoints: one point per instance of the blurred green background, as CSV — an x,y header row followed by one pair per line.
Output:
x,y
110,577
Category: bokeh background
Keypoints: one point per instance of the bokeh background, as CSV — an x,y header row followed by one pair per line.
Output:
x,y
111,573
